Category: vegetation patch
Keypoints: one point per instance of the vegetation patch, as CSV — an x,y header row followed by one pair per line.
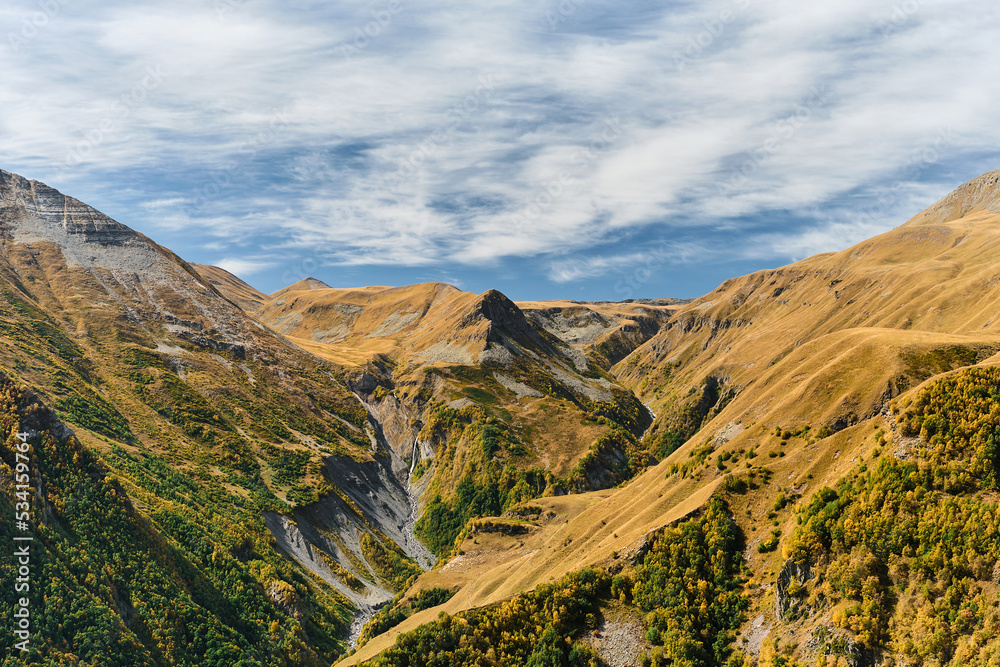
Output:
x,y
393,567
398,611
921,365
687,586
903,552
698,408
489,492
95,414
535,629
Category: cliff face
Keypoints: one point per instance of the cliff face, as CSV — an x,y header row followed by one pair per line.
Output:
x,y
135,347
74,252
504,318
54,211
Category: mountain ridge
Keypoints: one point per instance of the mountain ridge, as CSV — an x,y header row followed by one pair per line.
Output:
x,y
797,371
153,359
521,441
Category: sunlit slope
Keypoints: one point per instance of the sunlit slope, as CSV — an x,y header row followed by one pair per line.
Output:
x,y
856,326
424,323
242,294
774,385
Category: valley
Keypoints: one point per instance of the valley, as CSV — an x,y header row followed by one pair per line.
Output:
x,y
798,468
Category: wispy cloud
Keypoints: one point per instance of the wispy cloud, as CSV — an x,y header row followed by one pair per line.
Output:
x,y
244,267
460,135
577,268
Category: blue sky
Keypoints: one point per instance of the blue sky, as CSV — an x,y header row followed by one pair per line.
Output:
x,y
581,149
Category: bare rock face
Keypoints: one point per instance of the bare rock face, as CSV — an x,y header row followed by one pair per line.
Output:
x,y
54,210
43,233
33,212
980,194
799,573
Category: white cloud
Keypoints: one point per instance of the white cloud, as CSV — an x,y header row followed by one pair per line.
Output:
x,y
394,153
243,267
569,270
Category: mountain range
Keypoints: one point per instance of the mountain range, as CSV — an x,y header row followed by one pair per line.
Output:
x,y
783,471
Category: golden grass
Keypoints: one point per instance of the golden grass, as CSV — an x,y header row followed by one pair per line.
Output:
x,y
361,322
815,343
560,438
233,288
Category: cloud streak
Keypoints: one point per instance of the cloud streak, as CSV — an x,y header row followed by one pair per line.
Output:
x,y
467,137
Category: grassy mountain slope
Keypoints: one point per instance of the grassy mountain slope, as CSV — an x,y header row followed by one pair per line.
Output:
x,y
210,421
482,408
798,395
836,335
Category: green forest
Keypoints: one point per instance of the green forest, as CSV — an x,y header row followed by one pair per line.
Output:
x,y
190,585
686,586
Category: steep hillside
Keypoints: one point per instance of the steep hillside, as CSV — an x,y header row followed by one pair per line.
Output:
x,y
148,576
606,332
828,341
173,384
482,408
844,411
243,295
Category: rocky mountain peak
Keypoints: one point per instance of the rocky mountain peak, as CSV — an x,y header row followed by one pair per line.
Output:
x,y
35,211
148,283
979,194
503,314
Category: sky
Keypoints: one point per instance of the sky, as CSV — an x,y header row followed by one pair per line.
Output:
x,y
579,149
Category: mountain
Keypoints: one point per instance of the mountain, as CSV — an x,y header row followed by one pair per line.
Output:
x,y
818,402
226,438
292,455
798,468
470,394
